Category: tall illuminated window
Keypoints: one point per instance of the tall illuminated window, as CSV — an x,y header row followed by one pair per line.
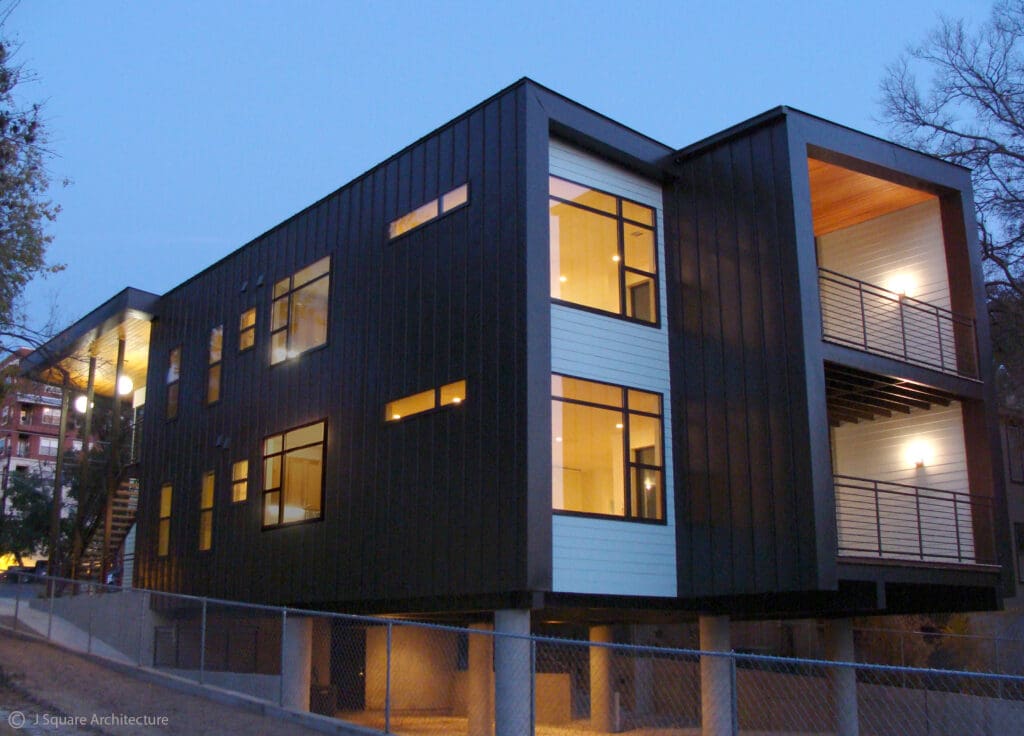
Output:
x,y
603,252
606,449
206,511
216,355
164,524
240,481
173,380
293,477
298,319
247,329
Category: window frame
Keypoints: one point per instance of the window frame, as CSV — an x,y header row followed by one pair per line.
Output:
x,y
280,488
628,464
163,538
215,365
206,511
240,481
289,323
173,384
247,330
620,223
439,401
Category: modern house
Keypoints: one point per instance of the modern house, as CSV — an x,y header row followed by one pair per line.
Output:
x,y
540,364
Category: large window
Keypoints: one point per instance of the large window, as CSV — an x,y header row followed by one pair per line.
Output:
x,y
213,376
206,510
173,379
293,475
164,525
606,450
298,320
603,252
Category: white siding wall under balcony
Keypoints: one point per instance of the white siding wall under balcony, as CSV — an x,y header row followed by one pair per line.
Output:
x,y
885,450
606,555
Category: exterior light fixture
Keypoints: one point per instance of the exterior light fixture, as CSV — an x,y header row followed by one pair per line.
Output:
x,y
81,402
901,284
919,453
125,385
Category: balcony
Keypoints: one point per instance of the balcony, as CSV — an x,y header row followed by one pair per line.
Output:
x,y
867,317
896,521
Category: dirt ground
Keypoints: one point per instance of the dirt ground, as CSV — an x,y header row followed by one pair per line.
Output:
x,y
60,693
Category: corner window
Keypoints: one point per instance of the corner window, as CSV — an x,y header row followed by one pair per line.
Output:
x,y
298,320
429,211
240,481
293,475
606,450
213,375
603,252
173,379
206,511
247,329
164,524
451,394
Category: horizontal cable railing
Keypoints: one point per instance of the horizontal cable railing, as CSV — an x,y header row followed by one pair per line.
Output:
x,y
895,521
880,321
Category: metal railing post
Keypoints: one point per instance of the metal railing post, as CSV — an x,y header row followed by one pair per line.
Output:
x,y
202,647
92,602
17,601
903,328
878,518
387,682
920,532
49,620
280,689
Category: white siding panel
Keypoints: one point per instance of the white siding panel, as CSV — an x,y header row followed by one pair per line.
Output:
x,y
606,556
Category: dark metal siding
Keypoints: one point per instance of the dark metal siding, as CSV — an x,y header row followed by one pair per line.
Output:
x,y
739,389
433,506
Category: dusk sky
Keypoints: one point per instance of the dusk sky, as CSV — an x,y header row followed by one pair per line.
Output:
x,y
189,128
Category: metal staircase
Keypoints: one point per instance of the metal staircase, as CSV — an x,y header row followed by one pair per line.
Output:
x,y
125,505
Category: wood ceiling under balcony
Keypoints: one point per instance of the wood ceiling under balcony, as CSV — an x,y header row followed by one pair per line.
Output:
x,y
854,395
841,197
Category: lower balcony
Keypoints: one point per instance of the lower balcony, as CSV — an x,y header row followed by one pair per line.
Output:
x,y
879,520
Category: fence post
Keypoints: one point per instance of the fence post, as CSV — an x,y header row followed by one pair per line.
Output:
x,y
202,647
92,602
49,620
280,689
387,682
17,602
142,626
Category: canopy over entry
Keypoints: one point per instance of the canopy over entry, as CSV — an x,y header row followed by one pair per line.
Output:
x,y
127,316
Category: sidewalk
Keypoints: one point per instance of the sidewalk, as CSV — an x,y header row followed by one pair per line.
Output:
x,y
64,684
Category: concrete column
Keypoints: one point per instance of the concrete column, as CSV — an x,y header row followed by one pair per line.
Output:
x,y
602,709
843,680
480,690
716,691
321,651
297,662
513,675
643,673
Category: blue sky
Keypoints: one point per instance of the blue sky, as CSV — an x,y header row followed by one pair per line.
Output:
x,y
189,128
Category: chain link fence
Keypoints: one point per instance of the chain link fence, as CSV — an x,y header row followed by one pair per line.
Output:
x,y
413,678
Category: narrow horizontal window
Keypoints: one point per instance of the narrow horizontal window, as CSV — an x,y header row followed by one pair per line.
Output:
x,y
429,211
450,394
606,449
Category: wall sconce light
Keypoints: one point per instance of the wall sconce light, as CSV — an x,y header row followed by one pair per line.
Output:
x,y
901,284
919,453
81,402
125,385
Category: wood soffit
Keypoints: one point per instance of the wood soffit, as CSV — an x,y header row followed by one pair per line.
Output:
x,y
853,395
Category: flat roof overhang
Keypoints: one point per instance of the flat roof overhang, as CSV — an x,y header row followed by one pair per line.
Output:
x,y
127,315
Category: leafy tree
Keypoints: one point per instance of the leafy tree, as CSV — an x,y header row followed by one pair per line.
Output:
x,y
960,95
25,209
25,523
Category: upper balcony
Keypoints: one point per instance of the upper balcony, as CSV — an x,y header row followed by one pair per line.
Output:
x,y
883,275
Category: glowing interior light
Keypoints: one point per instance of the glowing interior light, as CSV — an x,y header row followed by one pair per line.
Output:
x,y
901,284
396,416
618,425
648,485
456,399
919,453
125,385
558,439
563,279
616,258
